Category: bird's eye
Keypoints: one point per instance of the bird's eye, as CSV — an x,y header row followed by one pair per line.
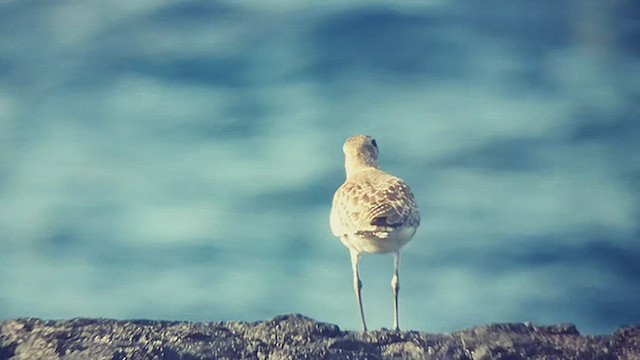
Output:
x,y
374,143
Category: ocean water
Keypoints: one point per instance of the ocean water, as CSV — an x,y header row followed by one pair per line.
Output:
x,y
177,159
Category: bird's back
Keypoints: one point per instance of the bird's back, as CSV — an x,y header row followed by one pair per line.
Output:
x,y
377,206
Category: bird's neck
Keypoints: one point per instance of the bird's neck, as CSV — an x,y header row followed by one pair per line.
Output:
x,y
356,166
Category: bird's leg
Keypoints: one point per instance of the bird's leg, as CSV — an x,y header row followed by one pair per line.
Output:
x,y
357,284
395,285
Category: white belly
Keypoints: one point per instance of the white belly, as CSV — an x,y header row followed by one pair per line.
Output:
x,y
379,245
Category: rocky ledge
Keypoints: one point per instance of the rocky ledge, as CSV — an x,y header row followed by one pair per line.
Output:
x,y
298,337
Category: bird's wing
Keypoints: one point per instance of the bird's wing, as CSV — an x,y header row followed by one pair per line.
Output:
x,y
344,213
378,204
392,205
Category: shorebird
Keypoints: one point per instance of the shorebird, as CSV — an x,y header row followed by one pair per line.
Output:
x,y
373,212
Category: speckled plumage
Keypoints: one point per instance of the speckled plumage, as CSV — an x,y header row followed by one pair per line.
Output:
x,y
372,212
373,207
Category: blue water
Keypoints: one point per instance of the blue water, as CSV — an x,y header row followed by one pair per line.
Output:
x,y
177,160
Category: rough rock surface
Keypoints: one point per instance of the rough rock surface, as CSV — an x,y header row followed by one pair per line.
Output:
x,y
298,337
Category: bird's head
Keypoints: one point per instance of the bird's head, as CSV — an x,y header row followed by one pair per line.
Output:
x,y
360,153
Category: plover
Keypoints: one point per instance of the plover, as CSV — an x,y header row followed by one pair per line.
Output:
x,y
372,212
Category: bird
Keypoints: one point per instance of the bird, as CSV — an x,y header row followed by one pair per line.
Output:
x,y
372,212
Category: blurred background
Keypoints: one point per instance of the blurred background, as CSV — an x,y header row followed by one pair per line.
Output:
x,y
177,159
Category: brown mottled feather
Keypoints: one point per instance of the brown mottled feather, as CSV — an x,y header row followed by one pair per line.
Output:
x,y
373,203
